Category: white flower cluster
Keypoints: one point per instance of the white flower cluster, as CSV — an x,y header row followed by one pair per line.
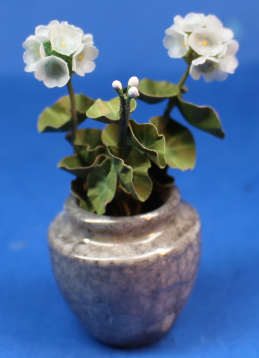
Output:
x,y
132,89
205,41
58,50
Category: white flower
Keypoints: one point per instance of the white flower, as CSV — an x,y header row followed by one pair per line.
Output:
x,y
88,40
207,42
133,81
211,38
33,52
189,23
117,85
208,67
65,39
205,35
82,62
216,68
176,43
133,92
42,31
83,59
52,41
213,22
53,71
229,62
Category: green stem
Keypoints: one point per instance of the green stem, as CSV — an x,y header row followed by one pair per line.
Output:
x,y
172,101
185,76
73,111
124,121
170,105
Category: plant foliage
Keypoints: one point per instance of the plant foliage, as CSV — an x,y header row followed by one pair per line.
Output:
x,y
128,170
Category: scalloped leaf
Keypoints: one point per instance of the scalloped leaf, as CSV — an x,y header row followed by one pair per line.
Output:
x,y
90,137
202,117
110,135
74,165
142,184
106,111
58,117
157,91
180,149
102,184
149,141
124,172
87,142
137,182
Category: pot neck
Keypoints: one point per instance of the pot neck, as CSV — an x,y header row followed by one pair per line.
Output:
x,y
112,226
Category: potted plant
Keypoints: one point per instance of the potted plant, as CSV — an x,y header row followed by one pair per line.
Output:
x,y
125,250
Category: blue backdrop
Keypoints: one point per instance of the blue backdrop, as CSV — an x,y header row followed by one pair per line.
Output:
x,y
221,318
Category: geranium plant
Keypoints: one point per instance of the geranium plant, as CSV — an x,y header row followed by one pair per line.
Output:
x,y
122,169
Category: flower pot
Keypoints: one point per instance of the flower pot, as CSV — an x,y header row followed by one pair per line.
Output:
x,y
126,278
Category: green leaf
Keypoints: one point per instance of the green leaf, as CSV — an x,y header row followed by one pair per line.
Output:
x,y
106,111
110,136
133,174
154,91
73,164
180,150
88,144
58,117
102,184
202,117
149,141
90,151
142,184
124,172
90,137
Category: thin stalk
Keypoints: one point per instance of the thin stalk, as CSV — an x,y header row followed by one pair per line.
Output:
x,y
124,120
172,101
73,111
185,76
170,105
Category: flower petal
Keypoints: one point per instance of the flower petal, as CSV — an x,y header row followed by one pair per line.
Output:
x,y
192,22
32,53
83,60
206,67
177,44
212,20
42,31
229,64
206,42
88,39
53,71
65,39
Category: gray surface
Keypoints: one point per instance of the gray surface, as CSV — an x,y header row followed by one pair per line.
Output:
x,y
126,278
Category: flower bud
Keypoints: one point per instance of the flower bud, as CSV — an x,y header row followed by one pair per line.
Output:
x,y
133,92
133,81
117,85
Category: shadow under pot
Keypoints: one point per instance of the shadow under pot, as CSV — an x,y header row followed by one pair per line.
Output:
x,y
126,278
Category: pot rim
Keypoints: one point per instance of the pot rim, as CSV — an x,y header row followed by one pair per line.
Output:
x,y
123,225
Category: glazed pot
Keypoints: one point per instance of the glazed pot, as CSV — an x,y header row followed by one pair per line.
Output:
x,y
126,278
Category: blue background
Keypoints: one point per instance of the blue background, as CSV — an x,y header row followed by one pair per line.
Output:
x,y
221,318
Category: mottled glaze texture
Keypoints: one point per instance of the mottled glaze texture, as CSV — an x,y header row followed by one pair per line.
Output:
x,y
126,278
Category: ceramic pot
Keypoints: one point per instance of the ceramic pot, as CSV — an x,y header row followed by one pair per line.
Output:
x,y
126,278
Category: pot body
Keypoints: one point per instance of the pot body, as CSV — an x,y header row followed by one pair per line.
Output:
x,y
126,278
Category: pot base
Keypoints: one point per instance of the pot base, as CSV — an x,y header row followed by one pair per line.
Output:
x,y
128,278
